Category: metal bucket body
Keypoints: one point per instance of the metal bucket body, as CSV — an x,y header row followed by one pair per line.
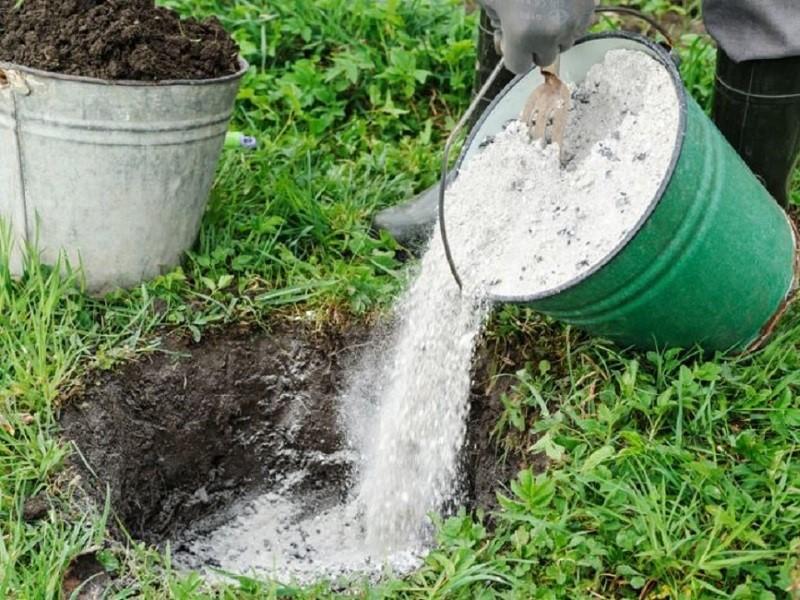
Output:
x,y
712,263
115,175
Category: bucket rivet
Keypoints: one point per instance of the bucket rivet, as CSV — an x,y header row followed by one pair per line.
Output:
x,y
16,80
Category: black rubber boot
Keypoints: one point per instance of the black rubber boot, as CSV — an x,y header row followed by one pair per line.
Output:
x,y
757,107
412,221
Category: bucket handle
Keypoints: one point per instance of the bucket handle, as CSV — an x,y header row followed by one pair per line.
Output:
x,y
15,82
480,96
446,161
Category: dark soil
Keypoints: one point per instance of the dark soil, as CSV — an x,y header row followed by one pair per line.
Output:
x,y
179,437
114,39
85,579
488,467
35,508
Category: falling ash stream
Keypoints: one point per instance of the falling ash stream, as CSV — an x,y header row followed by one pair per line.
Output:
x,y
407,407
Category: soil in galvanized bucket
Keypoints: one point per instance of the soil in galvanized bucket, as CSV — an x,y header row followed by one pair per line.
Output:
x,y
235,452
114,40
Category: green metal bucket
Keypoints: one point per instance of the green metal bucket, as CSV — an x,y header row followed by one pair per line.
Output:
x,y
711,263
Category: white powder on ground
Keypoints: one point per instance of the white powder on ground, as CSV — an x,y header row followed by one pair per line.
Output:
x,y
289,537
524,226
420,391
519,224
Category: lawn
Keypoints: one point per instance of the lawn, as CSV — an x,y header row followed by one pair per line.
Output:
x,y
671,474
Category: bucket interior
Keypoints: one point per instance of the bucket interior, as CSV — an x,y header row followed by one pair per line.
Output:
x,y
575,65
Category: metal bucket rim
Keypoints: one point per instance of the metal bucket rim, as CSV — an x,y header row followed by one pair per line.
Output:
x,y
660,54
243,67
767,332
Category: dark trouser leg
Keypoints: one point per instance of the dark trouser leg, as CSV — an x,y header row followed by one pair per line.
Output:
x,y
413,220
757,108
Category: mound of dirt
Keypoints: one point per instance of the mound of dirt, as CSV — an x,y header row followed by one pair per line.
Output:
x,y
114,39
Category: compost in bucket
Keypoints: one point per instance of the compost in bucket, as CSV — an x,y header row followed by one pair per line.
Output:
x,y
114,39
161,139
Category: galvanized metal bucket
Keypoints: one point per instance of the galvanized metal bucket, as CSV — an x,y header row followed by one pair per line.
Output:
x,y
113,174
713,260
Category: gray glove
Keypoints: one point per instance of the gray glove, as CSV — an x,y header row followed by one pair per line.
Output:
x,y
536,31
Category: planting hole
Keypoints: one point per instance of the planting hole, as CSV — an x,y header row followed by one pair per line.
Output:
x,y
232,451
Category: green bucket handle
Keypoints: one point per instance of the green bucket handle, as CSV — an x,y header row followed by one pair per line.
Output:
x,y
624,10
481,96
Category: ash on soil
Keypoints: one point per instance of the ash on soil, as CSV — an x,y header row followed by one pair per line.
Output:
x,y
114,40
186,439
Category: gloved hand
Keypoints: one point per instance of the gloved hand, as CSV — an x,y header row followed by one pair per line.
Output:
x,y
536,31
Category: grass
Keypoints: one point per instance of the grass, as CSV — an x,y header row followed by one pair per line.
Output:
x,y
671,475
